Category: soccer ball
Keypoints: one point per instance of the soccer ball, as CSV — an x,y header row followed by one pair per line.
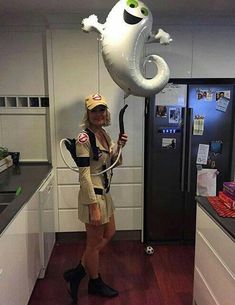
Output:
x,y
149,250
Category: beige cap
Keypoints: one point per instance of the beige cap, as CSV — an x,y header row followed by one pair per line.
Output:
x,y
93,100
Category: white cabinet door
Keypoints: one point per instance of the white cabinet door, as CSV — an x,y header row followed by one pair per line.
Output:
x,y
21,62
127,200
178,54
26,133
126,191
214,278
77,70
213,54
47,217
20,256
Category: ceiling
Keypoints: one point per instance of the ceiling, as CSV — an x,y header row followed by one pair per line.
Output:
x,y
163,8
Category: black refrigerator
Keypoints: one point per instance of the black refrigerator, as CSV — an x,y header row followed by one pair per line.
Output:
x,y
178,121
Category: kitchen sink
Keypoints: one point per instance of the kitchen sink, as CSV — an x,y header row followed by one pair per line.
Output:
x,y
6,198
2,207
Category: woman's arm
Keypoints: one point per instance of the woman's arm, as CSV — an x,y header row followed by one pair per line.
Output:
x,y
95,215
89,196
122,139
115,150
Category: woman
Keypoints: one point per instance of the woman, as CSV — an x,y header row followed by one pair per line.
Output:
x,y
95,151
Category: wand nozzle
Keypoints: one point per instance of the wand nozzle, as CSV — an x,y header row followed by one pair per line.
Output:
x,y
121,122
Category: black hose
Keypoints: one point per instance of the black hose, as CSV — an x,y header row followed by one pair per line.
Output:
x,y
121,122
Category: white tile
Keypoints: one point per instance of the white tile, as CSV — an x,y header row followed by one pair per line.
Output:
x,y
26,134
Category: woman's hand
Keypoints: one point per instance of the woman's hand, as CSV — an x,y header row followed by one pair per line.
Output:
x,y
122,139
95,215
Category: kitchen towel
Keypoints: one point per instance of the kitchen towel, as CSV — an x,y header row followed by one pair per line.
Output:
x,y
206,182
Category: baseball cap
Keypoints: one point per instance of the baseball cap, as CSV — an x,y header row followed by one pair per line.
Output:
x,y
93,100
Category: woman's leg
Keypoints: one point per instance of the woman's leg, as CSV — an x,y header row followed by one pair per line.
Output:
x,y
97,238
109,231
94,240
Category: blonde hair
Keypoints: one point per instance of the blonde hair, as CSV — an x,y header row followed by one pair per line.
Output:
x,y
86,123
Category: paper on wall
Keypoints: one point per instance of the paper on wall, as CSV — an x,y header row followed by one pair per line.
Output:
x,y
222,104
206,182
172,94
198,126
202,154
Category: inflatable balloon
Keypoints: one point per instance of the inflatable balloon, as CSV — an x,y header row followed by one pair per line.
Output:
x,y
123,36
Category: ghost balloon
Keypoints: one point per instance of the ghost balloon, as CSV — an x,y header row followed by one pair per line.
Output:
x,y
127,29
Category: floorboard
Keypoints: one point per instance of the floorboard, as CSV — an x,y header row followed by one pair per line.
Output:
x,y
164,278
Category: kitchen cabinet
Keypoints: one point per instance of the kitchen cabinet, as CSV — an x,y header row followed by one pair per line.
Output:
x,y
22,62
196,52
24,93
214,273
72,60
20,255
213,53
47,221
126,191
178,54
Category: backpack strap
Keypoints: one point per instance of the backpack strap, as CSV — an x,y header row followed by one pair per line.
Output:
x,y
71,147
70,144
94,148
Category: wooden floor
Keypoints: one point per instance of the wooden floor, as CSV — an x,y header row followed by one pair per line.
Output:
x,y
164,278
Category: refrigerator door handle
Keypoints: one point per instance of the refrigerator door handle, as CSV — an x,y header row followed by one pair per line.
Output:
x,y
182,187
190,112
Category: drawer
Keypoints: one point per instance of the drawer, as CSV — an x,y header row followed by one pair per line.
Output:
x,y
202,294
69,222
123,195
125,218
218,278
68,196
217,238
121,175
128,218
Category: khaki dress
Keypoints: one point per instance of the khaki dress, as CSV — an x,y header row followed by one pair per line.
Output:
x,y
95,189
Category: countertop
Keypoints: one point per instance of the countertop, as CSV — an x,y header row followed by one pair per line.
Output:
x,y
226,223
27,176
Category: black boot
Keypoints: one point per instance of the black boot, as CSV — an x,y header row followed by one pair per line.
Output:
x,y
97,286
73,278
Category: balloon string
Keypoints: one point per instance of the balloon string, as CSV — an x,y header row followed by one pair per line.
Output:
x,y
124,99
98,63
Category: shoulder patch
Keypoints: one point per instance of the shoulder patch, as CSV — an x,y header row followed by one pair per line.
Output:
x,y
83,138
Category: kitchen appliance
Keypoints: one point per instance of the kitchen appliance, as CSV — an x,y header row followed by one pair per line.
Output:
x,y
188,127
47,212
